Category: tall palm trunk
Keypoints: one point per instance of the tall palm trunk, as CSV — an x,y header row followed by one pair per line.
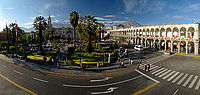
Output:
x,y
100,36
40,38
74,36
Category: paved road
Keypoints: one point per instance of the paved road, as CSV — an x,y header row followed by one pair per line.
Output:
x,y
120,84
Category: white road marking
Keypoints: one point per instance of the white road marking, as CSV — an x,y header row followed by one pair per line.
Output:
x,y
104,79
168,75
197,86
164,73
3,66
40,80
157,71
177,78
109,90
194,80
173,76
188,80
17,72
147,76
176,92
154,67
88,86
182,79
161,72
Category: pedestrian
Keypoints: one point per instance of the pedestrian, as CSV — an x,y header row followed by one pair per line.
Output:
x,y
102,64
148,67
119,59
122,64
84,67
64,58
81,65
57,62
145,67
97,64
129,60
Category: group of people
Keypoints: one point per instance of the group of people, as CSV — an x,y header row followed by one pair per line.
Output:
x,y
130,61
147,67
123,53
99,64
83,66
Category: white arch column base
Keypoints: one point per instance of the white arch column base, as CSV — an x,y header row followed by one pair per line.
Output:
x,y
196,48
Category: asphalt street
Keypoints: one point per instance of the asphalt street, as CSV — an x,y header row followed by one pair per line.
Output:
x,y
120,84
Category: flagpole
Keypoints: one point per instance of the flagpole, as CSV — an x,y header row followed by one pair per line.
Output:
x,y
16,37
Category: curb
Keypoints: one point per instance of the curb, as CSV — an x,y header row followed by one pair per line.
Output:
x,y
69,74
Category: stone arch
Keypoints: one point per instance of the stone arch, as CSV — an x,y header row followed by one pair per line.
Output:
x,y
169,32
143,33
147,32
190,32
157,32
152,32
190,47
140,32
183,32
137,32
163,32
175,32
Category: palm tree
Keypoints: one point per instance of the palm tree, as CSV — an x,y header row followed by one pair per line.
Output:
x,y
40,25
90,28
100,29
74,22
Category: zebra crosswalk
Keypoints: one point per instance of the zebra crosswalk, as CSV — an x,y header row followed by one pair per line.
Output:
x,y
175,77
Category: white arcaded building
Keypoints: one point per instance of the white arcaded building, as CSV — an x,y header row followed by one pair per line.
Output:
x,y
175,37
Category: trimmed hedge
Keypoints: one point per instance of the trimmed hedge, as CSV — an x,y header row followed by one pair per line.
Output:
x,y
39,57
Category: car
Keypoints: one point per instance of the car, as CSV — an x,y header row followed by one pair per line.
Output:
x,y
138,47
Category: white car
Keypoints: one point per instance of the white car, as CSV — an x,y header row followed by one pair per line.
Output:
x,y
138,47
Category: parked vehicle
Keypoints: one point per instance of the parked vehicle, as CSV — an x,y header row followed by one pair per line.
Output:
x,y
138,47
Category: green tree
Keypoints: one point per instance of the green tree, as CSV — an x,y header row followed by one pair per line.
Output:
x,y
87,31
74,22
40,25
68,31
100,30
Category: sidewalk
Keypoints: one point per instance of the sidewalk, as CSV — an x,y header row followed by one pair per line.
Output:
x,y
69,69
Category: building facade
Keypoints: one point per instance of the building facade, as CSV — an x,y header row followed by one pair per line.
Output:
x,y
174,37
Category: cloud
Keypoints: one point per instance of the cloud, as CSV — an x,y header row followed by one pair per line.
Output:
x,y
47,6
56,21
192,7
177,17
10,8
109,16
99,18
112,22
143,6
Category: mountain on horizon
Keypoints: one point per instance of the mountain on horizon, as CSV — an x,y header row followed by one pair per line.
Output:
x,y
131,23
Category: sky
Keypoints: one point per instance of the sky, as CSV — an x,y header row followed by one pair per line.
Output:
x,y
110,12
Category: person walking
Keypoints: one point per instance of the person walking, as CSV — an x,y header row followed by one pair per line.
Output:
x,y
97,64
148,67
122,64
145,67
129,60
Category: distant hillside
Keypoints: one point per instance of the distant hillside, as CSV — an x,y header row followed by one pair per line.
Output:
x,y
27,29
130,23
